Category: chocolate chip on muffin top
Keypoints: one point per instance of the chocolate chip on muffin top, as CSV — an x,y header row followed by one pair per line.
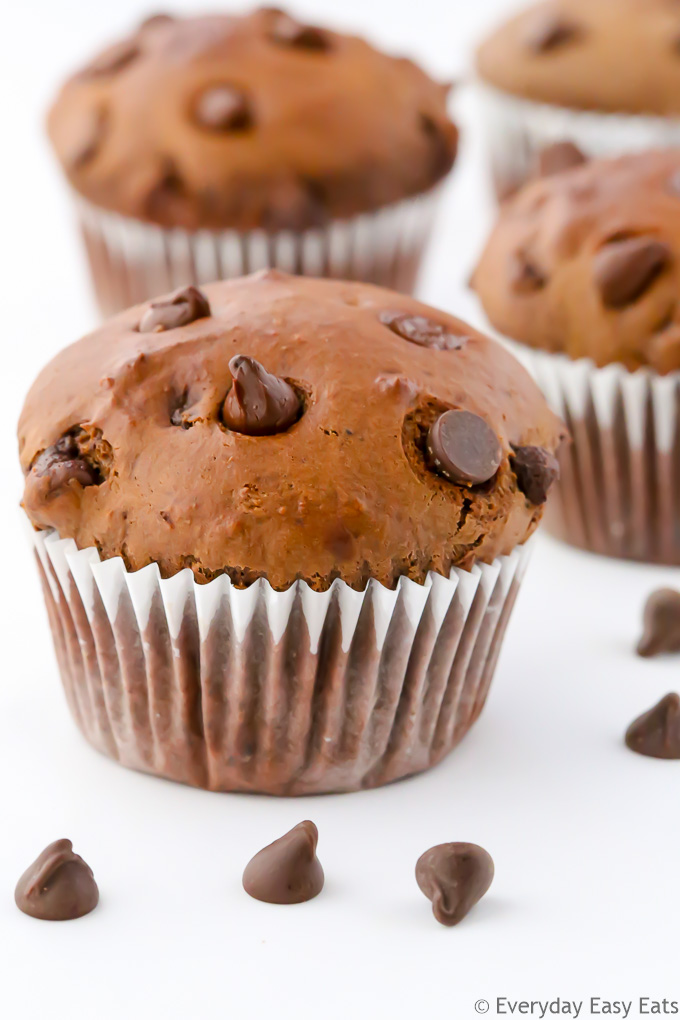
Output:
x,y
288,431
587,261
249,121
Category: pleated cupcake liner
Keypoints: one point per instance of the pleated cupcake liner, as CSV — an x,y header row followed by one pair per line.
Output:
x,y
251,689
132,261
619,492
517,130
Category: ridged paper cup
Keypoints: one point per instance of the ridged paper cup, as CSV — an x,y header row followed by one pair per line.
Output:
x,y
289,692
517,130
619,491
131,261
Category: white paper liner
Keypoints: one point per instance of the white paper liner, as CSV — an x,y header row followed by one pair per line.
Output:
x,y
518,129
619,493
133,261
276,692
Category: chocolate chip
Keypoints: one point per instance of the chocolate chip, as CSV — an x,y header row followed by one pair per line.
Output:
x,y
525,275
258,403
184,306
624,269
223,108
288,870
657,732
550,31
62,464
289,32
454,876
556,158
535,469
423,331
661,630
58,886
462,447
113,60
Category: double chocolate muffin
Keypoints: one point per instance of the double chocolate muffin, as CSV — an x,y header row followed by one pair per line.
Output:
x,y
314,476
205,147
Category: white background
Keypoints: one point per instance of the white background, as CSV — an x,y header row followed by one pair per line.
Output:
x,y
584,834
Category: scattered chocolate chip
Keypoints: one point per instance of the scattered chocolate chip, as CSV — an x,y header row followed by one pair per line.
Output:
x,y
463,448
288,870
223,108
535,469
113,59
661,629
558,157
58,886
294,205
624,269
168,201
657,732
550,30
184,306
422,331
289,32
525,276
63,463
258,403
454,876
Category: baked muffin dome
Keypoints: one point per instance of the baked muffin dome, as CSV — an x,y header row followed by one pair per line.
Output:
x,y
619,56
281,427
249,121
587,262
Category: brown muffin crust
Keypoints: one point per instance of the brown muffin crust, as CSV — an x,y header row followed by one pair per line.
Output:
x,y
617,56
342,489
587,262
249,121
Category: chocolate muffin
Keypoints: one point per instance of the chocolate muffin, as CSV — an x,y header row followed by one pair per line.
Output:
x,y
585,264
308,498
205,147
603,75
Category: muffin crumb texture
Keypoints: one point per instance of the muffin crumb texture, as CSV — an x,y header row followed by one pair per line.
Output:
x,y
286,429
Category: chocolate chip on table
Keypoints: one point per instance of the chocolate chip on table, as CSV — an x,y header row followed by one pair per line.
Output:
x,y
223,108
661,630
58,886
63,463
454,876
289,32
625,268
535,469
656,734
258,403
464,448
288,870
525,275
550,30
422,331
113,59
556,158
184,306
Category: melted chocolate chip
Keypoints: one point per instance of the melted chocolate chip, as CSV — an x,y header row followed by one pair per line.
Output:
x,y
184,306
258,403
289,32
556,158
535,469
462,447
661,631
422,331
62,464
288,870
624,269
525,275
223,108
58,886
656,734
550,31
113,60
454,876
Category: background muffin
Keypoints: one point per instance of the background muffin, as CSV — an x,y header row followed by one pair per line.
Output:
x,y
335,458
605,75
586,264
206,147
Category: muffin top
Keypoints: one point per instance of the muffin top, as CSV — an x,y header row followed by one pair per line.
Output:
x,y
249,121
587,261
288,428
617,56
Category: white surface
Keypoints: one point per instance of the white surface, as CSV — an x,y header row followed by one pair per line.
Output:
x,y
584,833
